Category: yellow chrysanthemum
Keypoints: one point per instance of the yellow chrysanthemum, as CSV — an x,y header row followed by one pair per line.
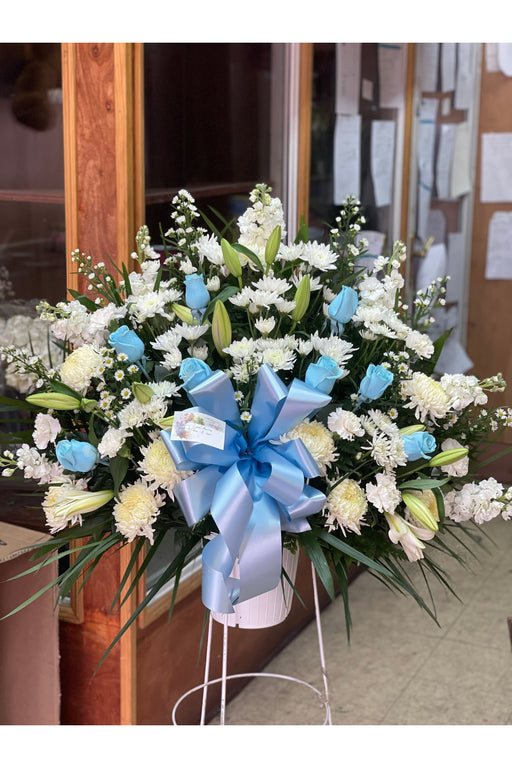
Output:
x,y
346,507
427,396
79,366
158,468
137,510
319,442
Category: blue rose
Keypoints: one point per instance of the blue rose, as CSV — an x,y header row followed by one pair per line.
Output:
x,y
196,293
323,374
76,455
193,371
342,308
419,445
377,379
125,341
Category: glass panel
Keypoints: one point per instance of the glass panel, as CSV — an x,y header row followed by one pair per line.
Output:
x,y
32,221
32,232
214,126
351,115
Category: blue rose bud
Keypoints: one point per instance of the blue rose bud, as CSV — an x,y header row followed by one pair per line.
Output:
x,y
342,308
377,380
76,455
196,293
193,371
419,445
323,374
125,341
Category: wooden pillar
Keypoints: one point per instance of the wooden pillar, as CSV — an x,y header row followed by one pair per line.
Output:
x,y
104,192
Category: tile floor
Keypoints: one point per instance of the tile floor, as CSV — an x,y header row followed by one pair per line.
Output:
x,y
400,668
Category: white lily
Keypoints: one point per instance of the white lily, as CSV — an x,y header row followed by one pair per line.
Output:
x,y
410,537
64,504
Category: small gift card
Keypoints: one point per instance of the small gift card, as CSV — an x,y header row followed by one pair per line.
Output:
x,y
195,427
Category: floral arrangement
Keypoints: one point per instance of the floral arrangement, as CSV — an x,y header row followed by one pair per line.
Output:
x,y
251,393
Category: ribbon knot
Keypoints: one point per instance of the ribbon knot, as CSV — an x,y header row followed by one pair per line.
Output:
x,y
254,485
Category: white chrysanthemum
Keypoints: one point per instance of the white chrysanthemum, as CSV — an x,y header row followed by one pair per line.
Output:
x,y
346,507
112,442
290,252
319,256
273,284
46,429
157,466
333,346
208,247
383,494
167,341
279,359
419,343
345,423
241,349
153,303
78,368
135,413
319,442
427,396
136,511
265,325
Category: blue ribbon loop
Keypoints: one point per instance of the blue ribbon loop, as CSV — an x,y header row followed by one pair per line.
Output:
x,y
255,486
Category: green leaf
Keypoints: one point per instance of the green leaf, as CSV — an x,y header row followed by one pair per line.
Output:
x,y
250,254
118,468
354,554
222,296
317,557
438,348
93,438
84,300
423,484
303,232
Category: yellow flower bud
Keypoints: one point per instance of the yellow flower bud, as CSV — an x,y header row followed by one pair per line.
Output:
x,y
184,313
54,400
448,457
302,296
231,258
221,328
142,392
272,245
412,429
419,510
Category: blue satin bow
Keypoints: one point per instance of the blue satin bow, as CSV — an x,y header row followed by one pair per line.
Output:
x,y
255,486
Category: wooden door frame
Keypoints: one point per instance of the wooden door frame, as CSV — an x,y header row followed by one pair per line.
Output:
x,y
104,206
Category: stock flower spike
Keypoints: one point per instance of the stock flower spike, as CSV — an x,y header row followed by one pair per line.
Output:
x,y
252,392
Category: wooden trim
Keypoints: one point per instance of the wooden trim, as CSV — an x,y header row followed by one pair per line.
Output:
x,y
69,107
305,109
409,116
161,605
139,182
123,100
128,646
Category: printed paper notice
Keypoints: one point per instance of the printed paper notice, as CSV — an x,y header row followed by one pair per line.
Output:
x,y
347,157
448,66
496,179
499,247
429,64
391,74
465,74
382,160
460,182
196,427
348,78
444,160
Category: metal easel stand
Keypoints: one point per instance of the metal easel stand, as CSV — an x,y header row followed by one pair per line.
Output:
x,y
323,697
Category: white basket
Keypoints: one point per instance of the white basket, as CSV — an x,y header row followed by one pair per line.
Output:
x,y
268,609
